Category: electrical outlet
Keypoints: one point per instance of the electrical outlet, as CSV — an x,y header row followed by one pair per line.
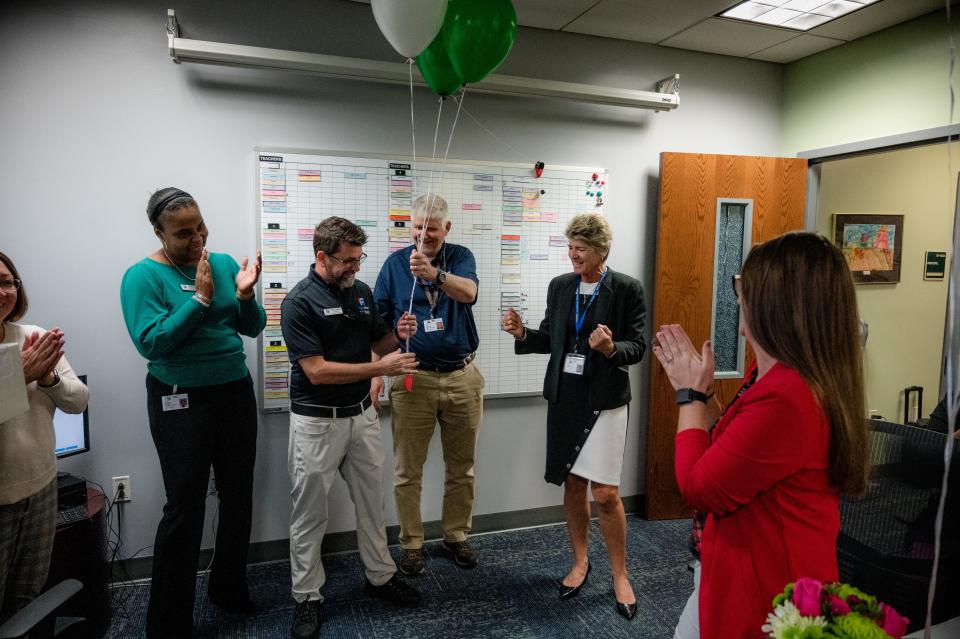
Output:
x,y
121,489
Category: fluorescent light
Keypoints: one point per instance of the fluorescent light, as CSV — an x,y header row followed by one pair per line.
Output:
x,y
747,11
804,5
806,22
800,15
777,16
838,8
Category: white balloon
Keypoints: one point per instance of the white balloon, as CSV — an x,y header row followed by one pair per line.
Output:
x,y
409,25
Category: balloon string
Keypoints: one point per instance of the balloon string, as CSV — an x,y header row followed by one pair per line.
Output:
x,y
433,195
413,126
436,134
494,136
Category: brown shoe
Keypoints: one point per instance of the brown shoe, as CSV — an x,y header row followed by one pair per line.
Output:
x,y
463,553
411,562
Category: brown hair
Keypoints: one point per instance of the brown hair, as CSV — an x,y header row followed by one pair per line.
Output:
x,y
20,307
333,230
799,302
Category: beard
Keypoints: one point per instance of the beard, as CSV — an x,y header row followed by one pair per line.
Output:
x,y
346,280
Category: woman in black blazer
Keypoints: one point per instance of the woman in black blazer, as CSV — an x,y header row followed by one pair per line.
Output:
x,y
593,330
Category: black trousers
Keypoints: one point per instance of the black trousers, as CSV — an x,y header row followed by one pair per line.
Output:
x,y
218,428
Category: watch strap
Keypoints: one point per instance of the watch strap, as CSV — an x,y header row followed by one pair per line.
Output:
x,y
688,395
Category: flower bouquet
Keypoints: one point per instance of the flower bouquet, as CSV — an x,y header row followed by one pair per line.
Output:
x,y
809,609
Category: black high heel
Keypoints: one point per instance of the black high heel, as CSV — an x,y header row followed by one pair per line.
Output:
x,y
568,592
627,610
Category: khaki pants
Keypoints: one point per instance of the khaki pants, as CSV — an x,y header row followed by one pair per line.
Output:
x,y
455,400
319,447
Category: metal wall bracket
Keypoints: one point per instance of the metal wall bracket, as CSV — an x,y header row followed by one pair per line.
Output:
x,y
185,50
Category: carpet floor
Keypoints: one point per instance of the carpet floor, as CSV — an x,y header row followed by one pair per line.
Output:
x,y
511,594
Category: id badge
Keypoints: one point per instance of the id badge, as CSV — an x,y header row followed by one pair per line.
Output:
x,y
574,364
192,288
432,325
175,402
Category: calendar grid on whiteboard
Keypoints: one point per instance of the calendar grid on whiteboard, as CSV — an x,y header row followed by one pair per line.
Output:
x,y
496,209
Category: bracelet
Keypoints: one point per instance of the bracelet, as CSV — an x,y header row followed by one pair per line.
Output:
x,y
612,353
203,300
56,380
246,297
523,337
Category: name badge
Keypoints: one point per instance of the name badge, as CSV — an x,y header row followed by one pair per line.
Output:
x,y
574,364
189,287
332,311
432,325
175,402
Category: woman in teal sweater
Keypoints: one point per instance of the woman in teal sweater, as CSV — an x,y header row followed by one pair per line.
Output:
x,y
185,310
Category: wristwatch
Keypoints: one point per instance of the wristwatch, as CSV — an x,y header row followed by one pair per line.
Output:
x,y
687,395
441,277
56,380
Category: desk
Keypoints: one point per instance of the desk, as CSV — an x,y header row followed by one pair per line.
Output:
x,y
80,552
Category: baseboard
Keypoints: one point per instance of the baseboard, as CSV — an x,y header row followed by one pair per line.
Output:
x,y
279,549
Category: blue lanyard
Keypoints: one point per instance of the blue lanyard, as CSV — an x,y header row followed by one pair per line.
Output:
x,y
578,318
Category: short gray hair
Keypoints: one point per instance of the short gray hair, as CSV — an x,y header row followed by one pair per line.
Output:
x,y
592,229
431,206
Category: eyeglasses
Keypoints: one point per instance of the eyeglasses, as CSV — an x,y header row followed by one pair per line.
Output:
x,y
355,261
10,285
735,283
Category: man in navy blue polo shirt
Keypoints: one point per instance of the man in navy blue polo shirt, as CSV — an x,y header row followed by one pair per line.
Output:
x,y
330,325
448,387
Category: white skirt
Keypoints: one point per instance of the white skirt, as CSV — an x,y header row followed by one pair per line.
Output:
x,y
601,459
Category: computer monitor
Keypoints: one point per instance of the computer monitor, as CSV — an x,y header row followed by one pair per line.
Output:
x,y
73,431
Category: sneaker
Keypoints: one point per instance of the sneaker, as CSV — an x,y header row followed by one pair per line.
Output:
x,y
306,620
396,592
411,562
463,553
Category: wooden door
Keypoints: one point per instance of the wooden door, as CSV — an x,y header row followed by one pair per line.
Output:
x,y
690,186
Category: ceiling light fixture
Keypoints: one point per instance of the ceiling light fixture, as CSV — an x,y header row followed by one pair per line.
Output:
x,y
798,15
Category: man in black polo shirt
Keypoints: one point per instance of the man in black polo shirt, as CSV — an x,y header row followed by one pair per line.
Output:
x,y
448,388
330,325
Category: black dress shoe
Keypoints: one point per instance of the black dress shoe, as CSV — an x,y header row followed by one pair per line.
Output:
x,y
237,604
396,592
306,620
567,592
627,610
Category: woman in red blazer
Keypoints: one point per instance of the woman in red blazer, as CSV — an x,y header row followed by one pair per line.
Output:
x,y
770,471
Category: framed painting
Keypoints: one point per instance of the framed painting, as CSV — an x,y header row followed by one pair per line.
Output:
x,y
872,244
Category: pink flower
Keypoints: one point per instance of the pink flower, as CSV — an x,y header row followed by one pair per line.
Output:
x,y
892,622
838,606
806,596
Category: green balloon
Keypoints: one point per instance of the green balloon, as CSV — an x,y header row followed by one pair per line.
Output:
x,y
478,35
434,65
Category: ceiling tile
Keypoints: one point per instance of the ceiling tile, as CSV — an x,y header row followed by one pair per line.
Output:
x,y
645,20
799,47
549,14
875,17
729,37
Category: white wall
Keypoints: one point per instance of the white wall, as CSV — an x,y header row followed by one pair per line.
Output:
x,y
94,116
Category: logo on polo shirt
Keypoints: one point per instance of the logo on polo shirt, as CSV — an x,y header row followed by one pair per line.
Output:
x,y
362,306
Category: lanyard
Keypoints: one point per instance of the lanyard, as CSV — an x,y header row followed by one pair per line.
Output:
x,y
431,291
578,318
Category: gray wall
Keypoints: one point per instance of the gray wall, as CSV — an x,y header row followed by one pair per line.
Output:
x,y
94,116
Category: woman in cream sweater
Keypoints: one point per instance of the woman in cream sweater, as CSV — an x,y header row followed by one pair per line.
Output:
x,y
28,471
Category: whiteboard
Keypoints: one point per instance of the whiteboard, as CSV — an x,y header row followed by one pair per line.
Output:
x,y
512,220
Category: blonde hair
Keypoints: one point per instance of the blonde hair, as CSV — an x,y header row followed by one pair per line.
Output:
x,y
592,229
799,302
431,206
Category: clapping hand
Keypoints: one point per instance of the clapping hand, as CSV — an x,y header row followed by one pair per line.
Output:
x,y
406,326
40,354
204,281
512,323
686,367
249,274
